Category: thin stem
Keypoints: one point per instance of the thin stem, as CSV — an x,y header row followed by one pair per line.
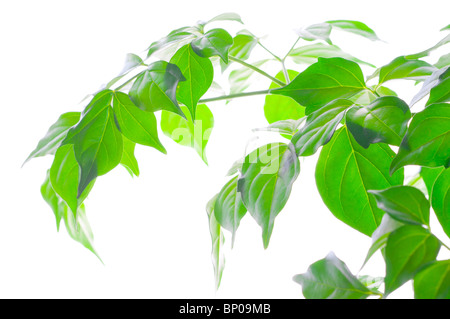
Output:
x,y
254,68
292,48
285,72
232,96
270,52
125,83
444,245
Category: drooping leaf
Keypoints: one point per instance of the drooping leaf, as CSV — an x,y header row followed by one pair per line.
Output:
x,y
444,61
218,240
329,278
228,16
96,139
440,200
345,172
429,176
406,69
266,180
355,27
319,31
408,249
427,140
426,52
190,133
53,200
174,38
324,81
433,282
155,89
319,127
309,54
279,107
229,208
132,61
128,159
429,83
405,203
441,91
136,125
55,135
212,43
383,121
381,235
240,79
198,73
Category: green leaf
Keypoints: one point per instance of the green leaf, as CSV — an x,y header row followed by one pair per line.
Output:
x,y
55,135
199,75
155,89
229,208
429,83
243,45
381,235
445,28
355,27
408,249
190,133
441,91
174,38
428,51
53,200
329,278
405,203
136,125
427,140
344,173
383,121
429,176
319,127
309,54
278,107
372,283
319,31
444,61
324,81
236,167
218,240
240,79
128,159
440,199
284,127
433,282
266,180
406,69
96,139
228,16
212,43
132,61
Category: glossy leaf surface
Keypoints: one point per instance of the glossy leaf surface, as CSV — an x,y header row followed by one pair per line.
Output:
x,y
407,69
212,43
440,200
433,282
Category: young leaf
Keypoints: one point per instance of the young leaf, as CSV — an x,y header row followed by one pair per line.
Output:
x,y
243,45
324,81
136,125
407,69
344,173
383,121
433,282
440,199
441,91
96,139
405,203
128,159
228,16
175,37
190,133
198,73
266,180
429,83
408,249
444,61
329,278
309,54
53,200
155,88
132,61
319,127
218,240
427,140
279,107
229,208
55,135
319,31
428,51
212,43
355,27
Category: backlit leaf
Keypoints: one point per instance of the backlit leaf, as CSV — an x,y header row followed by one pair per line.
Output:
x,y
440,200
407,69
218,240
212,43
355,27
319,31
433,282
128,159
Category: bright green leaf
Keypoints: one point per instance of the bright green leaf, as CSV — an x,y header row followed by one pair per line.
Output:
x,y
199,75
440,199
212,43
407,69
53,200
427,140
128,159
405,203
429,176
433,282
132,61
243,45
355,27
444,61
266,180
383,121
329,278
324,81
441,91
344,173
428,51
218,240
408,249
175,38
429,83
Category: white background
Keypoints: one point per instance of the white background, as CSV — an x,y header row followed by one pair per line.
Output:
x,y
152,231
